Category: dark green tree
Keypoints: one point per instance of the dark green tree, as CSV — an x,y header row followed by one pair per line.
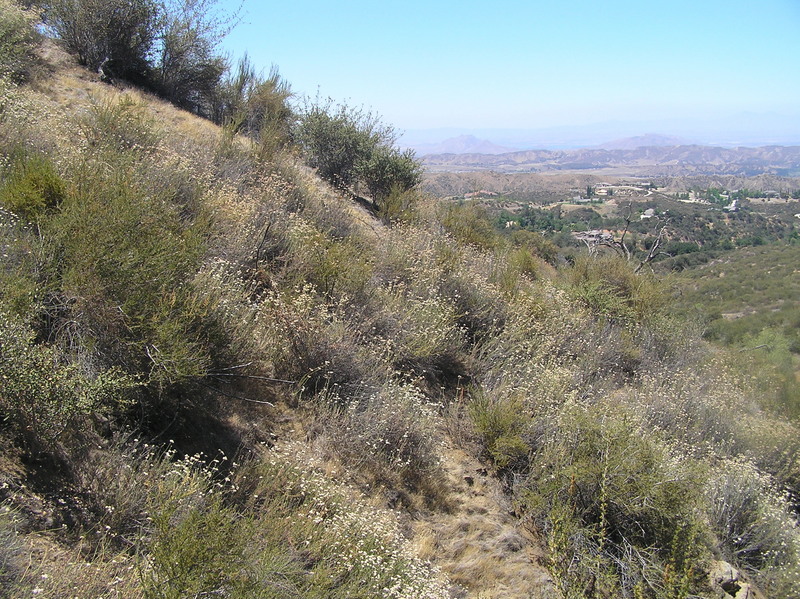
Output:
x,y
388,168
351,146
337,139
168,46
188,67
118,35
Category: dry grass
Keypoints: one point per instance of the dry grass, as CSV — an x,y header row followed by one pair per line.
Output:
x,y
48,569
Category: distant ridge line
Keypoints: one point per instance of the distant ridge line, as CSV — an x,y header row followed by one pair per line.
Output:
x,y
673,160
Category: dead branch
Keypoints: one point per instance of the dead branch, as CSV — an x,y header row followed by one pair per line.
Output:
x,y
239,397
654,249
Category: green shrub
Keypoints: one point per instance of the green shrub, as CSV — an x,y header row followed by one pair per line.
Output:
x,y
45,397
522,260
334,267
501,423
611,500
21,264
32,187
18,42
196,553
602,299
20,293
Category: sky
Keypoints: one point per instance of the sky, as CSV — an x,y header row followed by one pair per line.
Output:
x,y
530,64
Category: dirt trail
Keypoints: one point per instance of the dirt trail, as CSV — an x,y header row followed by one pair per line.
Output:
x,y
479,544
475,541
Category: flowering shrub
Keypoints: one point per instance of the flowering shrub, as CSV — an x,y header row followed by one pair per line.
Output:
x,y
268,528
45,397
387,435
353,550
756,526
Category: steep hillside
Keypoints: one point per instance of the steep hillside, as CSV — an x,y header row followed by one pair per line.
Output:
x,y
224,377
750,299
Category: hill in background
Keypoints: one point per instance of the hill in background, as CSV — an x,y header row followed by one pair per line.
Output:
x,y
739,130
463,144
649,161
649,140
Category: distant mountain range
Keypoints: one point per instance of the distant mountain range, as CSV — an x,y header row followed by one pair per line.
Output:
x,y
469,144
737,130
626,157
463,144
649,140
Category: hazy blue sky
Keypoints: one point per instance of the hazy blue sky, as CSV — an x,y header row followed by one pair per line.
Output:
x,y
508,63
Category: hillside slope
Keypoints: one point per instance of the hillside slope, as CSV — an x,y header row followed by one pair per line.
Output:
x,y
39,497
221,377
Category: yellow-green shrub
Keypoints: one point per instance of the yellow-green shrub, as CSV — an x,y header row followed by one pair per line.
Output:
x,y
126,263
334,267
469,224
118,126
609,287
31,187
612,501
501,423
534,243
400,205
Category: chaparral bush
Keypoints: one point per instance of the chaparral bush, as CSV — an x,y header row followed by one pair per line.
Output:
x,y
18,42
